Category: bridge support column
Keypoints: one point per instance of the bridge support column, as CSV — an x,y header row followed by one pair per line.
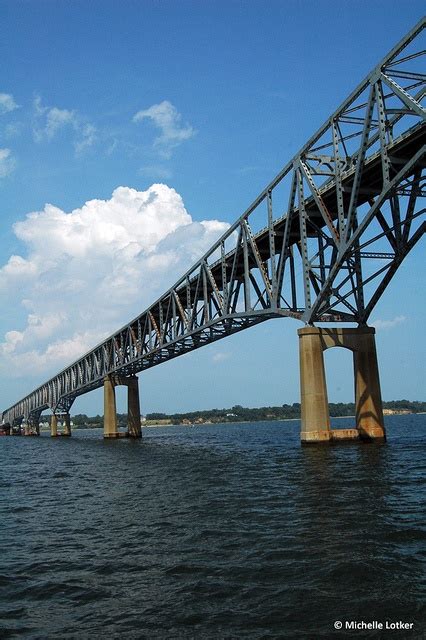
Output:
x,y
31,426
313,388
315,428
368,398
110,411
53,426
133,408
66,425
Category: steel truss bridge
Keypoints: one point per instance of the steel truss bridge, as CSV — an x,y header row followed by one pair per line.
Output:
x,y
320,243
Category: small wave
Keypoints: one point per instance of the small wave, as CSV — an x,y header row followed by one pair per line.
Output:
x,y
21,509
185,569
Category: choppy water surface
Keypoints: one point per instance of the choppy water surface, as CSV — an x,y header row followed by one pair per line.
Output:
x,y
211,532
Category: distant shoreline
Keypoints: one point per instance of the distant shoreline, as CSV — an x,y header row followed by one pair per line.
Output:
x,y
238,415
225,423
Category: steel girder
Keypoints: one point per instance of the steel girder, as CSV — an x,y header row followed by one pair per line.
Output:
x,y
319,244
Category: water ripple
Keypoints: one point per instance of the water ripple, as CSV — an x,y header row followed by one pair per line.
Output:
x,y
214,532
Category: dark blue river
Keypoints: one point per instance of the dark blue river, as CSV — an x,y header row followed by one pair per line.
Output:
x,y
224,531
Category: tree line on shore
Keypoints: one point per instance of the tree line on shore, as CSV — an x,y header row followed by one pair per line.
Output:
x,y
246,414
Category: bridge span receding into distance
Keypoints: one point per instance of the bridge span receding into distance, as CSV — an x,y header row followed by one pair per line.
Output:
x,y
320,244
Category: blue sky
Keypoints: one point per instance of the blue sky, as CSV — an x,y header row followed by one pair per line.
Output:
x,y
210,99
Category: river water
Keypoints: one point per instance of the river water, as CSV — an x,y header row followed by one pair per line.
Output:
x,y
210,532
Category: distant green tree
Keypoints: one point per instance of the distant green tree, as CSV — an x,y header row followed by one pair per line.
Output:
x,y
239,413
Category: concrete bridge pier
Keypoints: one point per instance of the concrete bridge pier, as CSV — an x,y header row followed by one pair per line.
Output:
x,y
368,397
315,416
110,410
16,428
315,428
32,425
66,424
133,407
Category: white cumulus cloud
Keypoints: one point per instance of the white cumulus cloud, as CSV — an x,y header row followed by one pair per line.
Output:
x,y
166,117
85,273
7,103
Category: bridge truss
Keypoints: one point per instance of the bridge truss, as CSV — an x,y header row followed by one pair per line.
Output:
x,y
320,243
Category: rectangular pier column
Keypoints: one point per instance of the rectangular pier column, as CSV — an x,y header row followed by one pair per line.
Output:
x,y
368,398
133,408
110,412
53,426
313,388
67,425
